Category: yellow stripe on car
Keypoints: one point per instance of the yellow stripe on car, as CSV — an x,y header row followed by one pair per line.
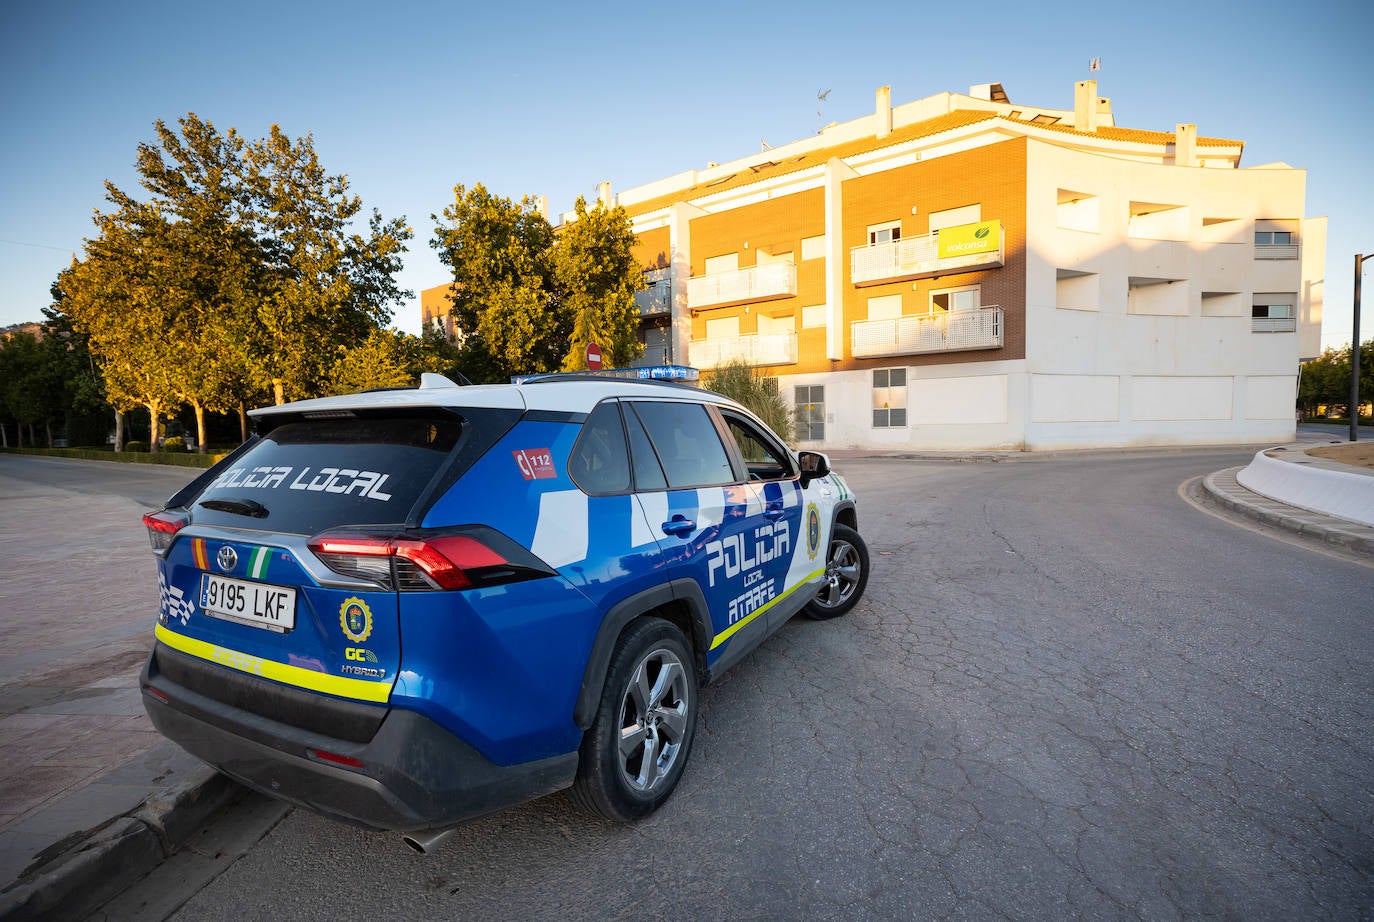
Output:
x,y
357,689
730,631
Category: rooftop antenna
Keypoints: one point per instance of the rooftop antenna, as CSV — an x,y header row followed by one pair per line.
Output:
x,y
820,101
1094,65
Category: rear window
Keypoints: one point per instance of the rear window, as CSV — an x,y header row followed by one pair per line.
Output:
x,y
304,477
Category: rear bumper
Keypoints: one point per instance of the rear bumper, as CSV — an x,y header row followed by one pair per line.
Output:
x,y
415,774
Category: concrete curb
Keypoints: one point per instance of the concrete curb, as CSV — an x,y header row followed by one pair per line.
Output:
x,y
1227,491
82,869
1291,476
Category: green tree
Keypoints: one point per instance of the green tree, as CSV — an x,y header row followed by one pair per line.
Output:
x,y
323,285
382,360
1325,381
597,277
498,251
747,385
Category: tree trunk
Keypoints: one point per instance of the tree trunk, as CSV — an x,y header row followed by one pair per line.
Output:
x,y
278,391
200,427
18,434
119,430
154,425
243,423
47,426
4,436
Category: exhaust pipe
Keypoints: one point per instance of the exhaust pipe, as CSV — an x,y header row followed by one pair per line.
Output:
x,y
427,841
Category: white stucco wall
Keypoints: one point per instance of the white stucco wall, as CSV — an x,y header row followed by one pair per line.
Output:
x,y
1166,354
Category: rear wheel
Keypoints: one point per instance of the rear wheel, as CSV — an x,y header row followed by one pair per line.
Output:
x,y
846,575
634,753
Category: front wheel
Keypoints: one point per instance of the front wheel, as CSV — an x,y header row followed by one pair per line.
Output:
x,y
846,575
633,754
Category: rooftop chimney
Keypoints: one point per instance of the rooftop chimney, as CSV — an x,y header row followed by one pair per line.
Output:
x,y
883,110
541,205
603,193
1085,105
1185,145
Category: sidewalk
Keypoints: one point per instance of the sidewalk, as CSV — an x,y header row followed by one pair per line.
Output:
x,y
91,797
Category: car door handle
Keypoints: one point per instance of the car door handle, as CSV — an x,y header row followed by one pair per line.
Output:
x,y
775,512
679,525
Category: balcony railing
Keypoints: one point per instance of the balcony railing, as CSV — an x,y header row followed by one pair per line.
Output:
x,y
652,355
1276,251
656,300
756,349
1273,324
740,286
954,331
914,258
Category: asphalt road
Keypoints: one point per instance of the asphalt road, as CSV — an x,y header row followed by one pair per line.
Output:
x,y
1067,693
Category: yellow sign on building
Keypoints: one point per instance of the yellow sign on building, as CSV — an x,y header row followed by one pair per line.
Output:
x,y
969,239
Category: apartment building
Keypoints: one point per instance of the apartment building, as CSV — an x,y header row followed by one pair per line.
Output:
x,y
965,272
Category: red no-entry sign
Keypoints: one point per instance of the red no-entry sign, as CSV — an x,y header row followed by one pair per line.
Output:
x,y
593,357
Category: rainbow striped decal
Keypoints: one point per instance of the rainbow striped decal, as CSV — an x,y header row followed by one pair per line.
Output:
x,y
202,556
257,563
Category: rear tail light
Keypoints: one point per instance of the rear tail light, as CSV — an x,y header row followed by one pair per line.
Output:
x,y
465,559
162,528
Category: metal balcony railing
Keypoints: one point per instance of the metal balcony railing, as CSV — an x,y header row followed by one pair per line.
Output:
x,y
1276,251
756,349
740,286
1273,324
656,300
954,331
912,258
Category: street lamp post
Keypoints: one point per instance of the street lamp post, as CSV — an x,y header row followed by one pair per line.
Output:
x,y
1355,351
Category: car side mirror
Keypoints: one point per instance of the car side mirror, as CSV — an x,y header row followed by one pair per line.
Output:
x,y
813,465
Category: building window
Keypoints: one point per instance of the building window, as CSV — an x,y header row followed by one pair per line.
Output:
x,y
955,299
1272,318
809,400
1273,238
884,233
889,398
813,247
955,217
813,315
885,307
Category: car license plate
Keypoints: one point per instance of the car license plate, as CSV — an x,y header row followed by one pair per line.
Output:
x,y
256,604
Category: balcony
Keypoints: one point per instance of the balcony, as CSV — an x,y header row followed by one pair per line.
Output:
x,y
652,355
656,300
1276,251
957,331
756,349
1273,324
742,286
919,257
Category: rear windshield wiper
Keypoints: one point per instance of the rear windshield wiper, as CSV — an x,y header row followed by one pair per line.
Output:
x,y
236,506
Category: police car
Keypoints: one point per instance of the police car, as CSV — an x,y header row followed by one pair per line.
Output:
x,y
404,609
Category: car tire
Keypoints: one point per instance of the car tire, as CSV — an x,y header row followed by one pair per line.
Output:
x,y
633,755
846,575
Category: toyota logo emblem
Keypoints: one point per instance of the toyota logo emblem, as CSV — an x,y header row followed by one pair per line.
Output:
x,y
227,559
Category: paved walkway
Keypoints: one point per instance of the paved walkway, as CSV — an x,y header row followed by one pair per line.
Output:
x,y
91,797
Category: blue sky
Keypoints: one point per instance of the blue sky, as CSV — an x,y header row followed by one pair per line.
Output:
x,y
410,98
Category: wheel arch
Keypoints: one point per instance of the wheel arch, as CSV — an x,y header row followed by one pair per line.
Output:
x,y
679,602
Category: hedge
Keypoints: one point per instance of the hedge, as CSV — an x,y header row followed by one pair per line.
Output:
x,y
177,459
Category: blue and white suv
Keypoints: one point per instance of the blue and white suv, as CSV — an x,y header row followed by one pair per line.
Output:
x,y
403,609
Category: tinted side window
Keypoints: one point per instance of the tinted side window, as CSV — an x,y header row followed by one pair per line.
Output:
x,y
318,474
764,459
687,444
648,472
599,462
